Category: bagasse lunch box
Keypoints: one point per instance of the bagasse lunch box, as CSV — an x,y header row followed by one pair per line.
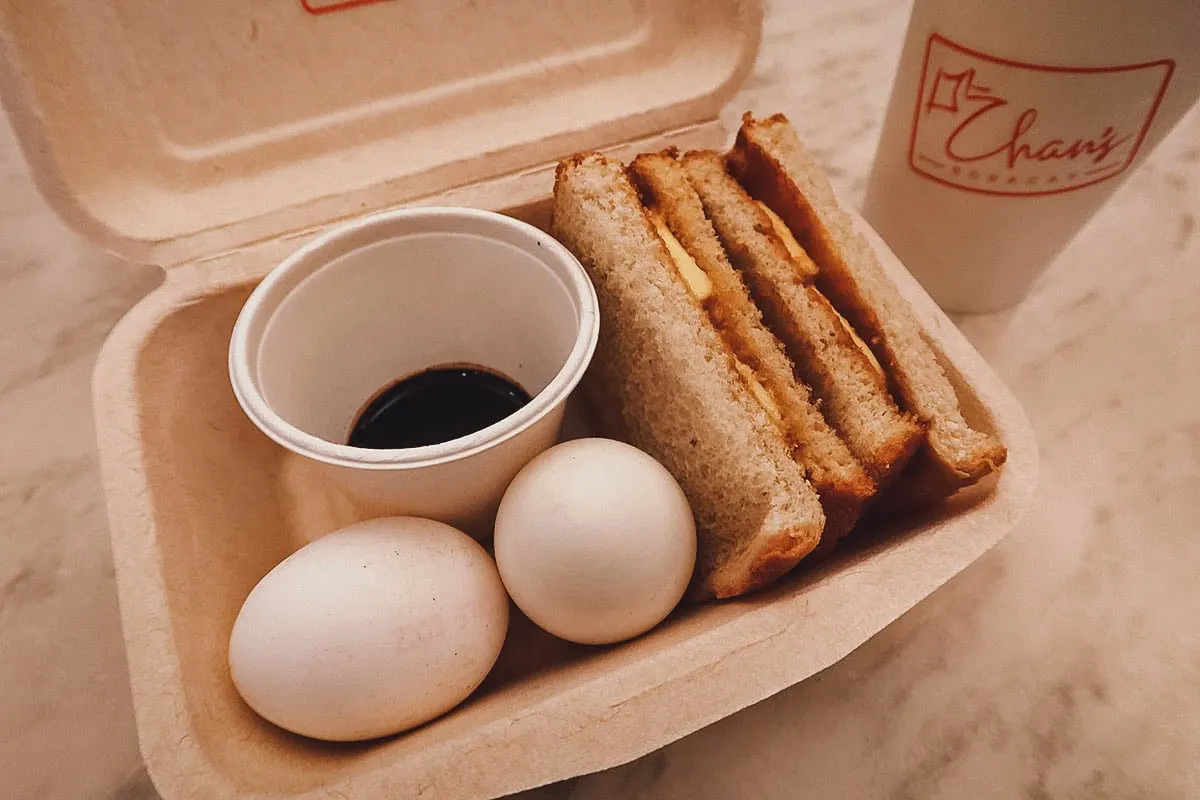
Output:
x,y
213,139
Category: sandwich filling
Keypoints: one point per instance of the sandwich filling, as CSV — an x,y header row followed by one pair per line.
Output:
x,y
693,276
800,256
699,285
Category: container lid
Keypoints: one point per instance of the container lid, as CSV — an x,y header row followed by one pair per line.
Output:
x,y
167,130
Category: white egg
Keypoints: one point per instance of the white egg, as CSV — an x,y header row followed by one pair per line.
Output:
x,y
595,541
370,630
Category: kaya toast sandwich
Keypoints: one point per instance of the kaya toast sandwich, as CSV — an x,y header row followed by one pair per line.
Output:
x,y
769,160
692,371
664,380
838,478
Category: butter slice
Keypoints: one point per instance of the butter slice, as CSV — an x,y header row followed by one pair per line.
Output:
x,y
759,392
858,341
797,252
783,232
700,286
697,282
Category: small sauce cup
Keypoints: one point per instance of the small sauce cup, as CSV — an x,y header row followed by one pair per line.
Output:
x,y
375,300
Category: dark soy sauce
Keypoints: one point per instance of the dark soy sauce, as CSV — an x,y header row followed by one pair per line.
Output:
x,y
435,406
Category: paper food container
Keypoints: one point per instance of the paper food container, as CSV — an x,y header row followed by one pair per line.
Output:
x,y
213,139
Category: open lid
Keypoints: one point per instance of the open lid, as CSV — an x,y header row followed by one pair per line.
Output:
x,y
167,130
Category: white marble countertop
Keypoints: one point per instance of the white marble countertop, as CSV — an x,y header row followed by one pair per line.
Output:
x,y
1065,664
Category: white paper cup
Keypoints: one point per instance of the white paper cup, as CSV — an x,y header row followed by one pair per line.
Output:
x,y
382,298
1011,124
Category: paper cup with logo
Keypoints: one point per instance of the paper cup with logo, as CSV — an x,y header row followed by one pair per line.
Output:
x,y
379,299
1011,124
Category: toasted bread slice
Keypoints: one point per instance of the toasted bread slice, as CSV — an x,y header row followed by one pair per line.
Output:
x,y
853,393
663,380
769,160
841,482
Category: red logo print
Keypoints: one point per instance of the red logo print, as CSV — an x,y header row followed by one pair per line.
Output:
x,y
326,6
995,126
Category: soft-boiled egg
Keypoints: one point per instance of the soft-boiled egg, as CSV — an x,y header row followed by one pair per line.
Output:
x,y
370,630
595,541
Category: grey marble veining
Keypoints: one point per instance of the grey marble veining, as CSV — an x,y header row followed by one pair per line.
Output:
x,y
1065,664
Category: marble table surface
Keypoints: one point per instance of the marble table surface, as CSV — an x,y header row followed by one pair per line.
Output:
x,y
1064,664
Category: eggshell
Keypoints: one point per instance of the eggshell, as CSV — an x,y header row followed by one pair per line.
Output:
x,y
370,630
595,541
